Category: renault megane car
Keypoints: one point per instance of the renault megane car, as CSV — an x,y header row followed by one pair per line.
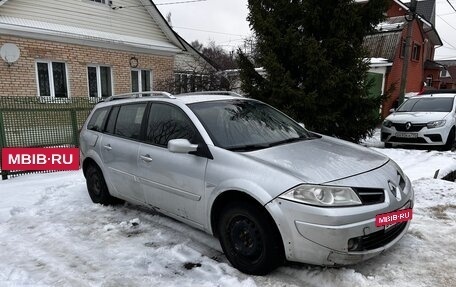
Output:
x,y
239,169
428,119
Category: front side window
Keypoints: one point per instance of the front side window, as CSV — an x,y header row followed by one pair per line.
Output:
x,y
141,80
52,79
167,123
128,124
100,83
433,104
245,125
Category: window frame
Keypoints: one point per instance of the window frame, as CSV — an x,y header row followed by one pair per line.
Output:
x,y
199,138
98,72
139,71
416,57
141,127
51,79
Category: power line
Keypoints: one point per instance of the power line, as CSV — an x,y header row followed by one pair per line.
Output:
x,y
451,5
158,4
207,31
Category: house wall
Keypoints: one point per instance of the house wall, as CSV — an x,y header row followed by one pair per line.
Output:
x,y
133,20
415,73
20,78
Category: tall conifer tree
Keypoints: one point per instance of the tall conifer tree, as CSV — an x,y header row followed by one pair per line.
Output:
x,y
315,62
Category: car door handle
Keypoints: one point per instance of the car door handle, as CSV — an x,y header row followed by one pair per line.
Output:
x,y
108,147
145,158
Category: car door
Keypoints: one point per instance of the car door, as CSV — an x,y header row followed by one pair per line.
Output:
x,y
172,182
119,150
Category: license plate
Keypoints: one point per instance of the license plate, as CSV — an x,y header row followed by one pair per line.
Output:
x,y
407,135
390,219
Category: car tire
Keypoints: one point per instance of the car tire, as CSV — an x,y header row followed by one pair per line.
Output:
x,y
250,238
388,145
450,140
98,190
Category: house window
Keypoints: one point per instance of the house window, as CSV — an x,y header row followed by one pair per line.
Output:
x,y
99,1
52,79
416,52
429,80
404,45
99,80
444,74
141,80
184,83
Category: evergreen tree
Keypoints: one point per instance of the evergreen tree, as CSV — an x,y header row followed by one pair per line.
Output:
x,y
315,62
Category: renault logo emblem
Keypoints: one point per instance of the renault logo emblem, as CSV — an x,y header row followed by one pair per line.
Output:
x,y
395,190
408,125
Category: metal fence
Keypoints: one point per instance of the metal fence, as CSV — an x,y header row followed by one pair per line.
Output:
x,y
39,122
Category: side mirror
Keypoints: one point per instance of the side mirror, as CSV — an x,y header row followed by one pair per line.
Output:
x,y
181,146
392,111
302,125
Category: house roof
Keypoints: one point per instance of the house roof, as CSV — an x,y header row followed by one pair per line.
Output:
x,y
428,26
33,27
432,65
19,26
425,8
383,45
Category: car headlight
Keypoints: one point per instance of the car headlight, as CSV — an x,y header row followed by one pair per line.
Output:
x,y
436,124
387,123
322,195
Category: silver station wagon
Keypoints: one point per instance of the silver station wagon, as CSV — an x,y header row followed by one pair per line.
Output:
x,y
235,167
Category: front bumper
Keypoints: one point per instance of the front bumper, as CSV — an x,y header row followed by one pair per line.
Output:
x,y
425,136
321,236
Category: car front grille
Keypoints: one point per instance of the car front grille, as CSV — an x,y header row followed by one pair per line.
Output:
x,y
370,196
379,238
407,140
413,127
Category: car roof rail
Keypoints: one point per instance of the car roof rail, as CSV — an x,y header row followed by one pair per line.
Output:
x,y
136,95
221,93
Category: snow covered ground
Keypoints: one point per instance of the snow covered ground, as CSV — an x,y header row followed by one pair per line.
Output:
x,y
52,235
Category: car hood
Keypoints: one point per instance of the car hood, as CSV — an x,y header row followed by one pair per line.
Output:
x,y
416,117
320,160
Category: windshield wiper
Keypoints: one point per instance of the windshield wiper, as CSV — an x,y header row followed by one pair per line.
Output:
x,y
290,140
249,147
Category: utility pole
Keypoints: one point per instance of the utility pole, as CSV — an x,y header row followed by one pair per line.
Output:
x,y
409,17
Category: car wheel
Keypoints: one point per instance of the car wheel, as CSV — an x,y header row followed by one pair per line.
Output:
x,y
98,190
388,145
250,238
450,140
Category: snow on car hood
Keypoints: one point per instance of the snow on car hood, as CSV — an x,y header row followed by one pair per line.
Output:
x,y
320,160
416,117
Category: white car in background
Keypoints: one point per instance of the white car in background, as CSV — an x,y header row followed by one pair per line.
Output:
x,y
428,119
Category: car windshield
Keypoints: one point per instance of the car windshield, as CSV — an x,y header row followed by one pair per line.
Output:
x,y
433,104
246,125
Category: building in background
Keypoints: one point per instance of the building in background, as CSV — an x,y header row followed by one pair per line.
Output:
x,y
388,42
88,48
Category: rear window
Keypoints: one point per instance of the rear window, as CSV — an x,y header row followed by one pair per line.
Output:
x,y
97,120
129,120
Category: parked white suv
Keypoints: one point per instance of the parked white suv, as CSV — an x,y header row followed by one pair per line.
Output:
x,y
428,119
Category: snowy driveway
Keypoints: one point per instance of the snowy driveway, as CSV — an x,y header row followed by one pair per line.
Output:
x,y
52,235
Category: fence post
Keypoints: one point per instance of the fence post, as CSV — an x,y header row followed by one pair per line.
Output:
x,y
2,144
74,124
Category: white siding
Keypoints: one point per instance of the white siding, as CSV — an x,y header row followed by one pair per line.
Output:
x,y
133,21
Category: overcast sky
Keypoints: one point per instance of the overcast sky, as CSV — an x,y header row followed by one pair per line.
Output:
x,y
224,21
